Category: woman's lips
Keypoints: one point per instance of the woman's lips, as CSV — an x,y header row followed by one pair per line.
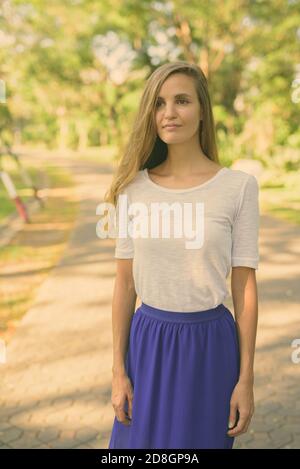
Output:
x,y
172,127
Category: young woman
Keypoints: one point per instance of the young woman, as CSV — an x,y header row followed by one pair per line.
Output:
x,y
182,365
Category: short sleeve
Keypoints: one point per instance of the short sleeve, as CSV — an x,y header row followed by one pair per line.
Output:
x,y
245,229
124,248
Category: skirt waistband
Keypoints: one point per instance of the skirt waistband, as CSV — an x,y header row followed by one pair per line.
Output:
x,y
189,317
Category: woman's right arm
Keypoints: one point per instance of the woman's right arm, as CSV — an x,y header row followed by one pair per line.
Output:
x,y
123,307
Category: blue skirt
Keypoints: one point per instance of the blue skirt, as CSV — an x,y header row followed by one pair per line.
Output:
x,y
183,368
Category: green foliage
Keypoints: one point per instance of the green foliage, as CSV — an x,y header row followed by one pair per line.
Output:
x,y
63,89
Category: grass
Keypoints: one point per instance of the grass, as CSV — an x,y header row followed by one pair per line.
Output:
x,y
34,251
280,197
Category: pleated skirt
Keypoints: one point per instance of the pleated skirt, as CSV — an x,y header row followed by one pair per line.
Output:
x,y
183,368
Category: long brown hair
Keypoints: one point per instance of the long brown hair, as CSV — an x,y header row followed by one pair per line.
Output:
x,y
145,149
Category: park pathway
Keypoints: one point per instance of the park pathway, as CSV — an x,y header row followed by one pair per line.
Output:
x,y
55,387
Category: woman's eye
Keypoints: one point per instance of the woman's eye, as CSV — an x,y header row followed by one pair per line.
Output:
x,y
178,100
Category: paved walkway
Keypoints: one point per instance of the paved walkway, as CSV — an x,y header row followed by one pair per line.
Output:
x,y
55,388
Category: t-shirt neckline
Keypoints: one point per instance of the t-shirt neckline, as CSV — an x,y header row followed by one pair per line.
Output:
x,y
187,189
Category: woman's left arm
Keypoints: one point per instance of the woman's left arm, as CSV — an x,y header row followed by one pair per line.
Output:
x,y
245,302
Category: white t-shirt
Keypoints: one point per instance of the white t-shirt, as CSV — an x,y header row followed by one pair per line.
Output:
x,y
225,219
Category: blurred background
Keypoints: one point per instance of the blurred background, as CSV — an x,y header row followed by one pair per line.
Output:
x,y
71,75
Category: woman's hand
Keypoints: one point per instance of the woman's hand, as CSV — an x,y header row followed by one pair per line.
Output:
x,y
242,400
122,391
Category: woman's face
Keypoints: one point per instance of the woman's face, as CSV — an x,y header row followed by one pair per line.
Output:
x,y
178,104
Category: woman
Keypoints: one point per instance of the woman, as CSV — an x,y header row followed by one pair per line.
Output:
x,y
182,365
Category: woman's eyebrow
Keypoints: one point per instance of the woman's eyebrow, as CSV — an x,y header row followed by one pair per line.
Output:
x,y
178,95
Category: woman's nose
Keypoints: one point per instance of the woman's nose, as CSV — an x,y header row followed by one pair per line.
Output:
x,y
169,110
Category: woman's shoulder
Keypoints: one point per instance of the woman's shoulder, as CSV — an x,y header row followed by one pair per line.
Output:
x,y
236,182
134,183
239,175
